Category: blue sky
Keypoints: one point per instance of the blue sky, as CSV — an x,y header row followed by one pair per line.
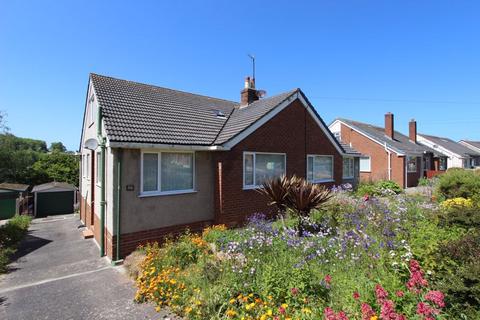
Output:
x,y
353,59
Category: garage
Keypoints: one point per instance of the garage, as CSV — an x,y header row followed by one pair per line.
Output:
x,y
11,195
54,198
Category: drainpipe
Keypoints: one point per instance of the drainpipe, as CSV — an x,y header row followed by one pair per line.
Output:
x,y
101,166
117,205
406,171
389,162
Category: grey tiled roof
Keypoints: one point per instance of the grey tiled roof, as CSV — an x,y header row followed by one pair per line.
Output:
x,y
241,118
54,184
348,148
451,145
401,143
136,112
475,144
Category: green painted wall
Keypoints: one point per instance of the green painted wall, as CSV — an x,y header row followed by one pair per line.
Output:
x,y
49,203
7,208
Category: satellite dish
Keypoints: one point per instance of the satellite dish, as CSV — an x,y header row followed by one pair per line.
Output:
x,y
91,144
261,93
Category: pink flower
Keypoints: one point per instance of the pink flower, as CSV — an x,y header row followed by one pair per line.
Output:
x,y
356,295
329,314
416,281
281,310
367,311
366,197
424,309
437,297
328,279
294,291
399,293
380,293
387,311
342,316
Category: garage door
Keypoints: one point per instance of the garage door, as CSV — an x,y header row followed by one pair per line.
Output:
x,y
7,208
49,203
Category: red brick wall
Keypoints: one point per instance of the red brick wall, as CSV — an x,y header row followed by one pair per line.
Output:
x,y
86,215
294,132
379,157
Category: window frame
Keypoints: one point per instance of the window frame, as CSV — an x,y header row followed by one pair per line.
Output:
x,y
369,164
91,108
332,179
98,156
352,159
158,192
89,164
254,153
416,164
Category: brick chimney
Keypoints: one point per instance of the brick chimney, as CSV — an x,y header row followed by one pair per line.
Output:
x,y
249,93
389,128
412,130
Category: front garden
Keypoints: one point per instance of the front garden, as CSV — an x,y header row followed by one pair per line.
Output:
x,y
334,256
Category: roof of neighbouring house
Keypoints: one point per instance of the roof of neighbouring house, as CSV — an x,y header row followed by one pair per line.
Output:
x,y
349,149
400,144
14,186
451,145
140,113
54,185
475,144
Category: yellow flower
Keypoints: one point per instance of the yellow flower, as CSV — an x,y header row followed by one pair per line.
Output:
x,y
232,301
231,313
374,318
269,312
284,305
263,317
306,310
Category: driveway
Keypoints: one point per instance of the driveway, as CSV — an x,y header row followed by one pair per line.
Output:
x,y
59,275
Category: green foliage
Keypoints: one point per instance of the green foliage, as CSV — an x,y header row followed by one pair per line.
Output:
x,y
10,234
424,182
456,183
379,188
57,166
57,147
19,158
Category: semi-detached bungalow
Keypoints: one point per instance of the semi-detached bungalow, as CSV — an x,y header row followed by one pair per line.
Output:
x,y
387,154
156,161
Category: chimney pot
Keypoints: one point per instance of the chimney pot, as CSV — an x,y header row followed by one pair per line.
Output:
x,y
389,125
412,130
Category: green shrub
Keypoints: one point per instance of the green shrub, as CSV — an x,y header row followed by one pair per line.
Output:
x,y
10,234
379,188
424,182
458,183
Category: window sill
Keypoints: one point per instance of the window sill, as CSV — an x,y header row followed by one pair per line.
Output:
x,y
251,187
322,181
366,171
348,177
165,193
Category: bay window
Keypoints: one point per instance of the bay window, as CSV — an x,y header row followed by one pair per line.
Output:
x,y
319,168
348,168
167,172
259,167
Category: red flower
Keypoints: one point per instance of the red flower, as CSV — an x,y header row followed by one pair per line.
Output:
x,y
294,291
416,281
328,279
281,310
399,293
329,314
436,297
356,295
380,293
366,197
342,316
424,309
367,311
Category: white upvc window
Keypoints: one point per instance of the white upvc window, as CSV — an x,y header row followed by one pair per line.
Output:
x,y
84,165
348,168
97,167
365,164
412,164
319,168
259,167
167,172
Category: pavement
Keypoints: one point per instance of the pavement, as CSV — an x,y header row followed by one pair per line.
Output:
x,y
56,274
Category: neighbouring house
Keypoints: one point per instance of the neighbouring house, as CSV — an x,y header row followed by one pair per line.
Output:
x,y
475,146
13,199
387,154
54,198
459,155
171,160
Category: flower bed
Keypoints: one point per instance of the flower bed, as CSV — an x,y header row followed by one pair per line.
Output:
x,y
355,259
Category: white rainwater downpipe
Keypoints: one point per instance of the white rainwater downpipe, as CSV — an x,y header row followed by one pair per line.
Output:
x,y
389,162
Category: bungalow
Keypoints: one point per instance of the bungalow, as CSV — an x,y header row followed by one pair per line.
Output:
x,y
475,146
156,161
387,154
459,155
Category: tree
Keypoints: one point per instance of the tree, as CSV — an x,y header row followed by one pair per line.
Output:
x,y
3,122
56,166
57,147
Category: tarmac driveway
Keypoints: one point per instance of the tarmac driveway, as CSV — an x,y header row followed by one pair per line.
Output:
x,y
59,275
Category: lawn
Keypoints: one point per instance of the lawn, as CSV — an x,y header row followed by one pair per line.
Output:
x,y
356,256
